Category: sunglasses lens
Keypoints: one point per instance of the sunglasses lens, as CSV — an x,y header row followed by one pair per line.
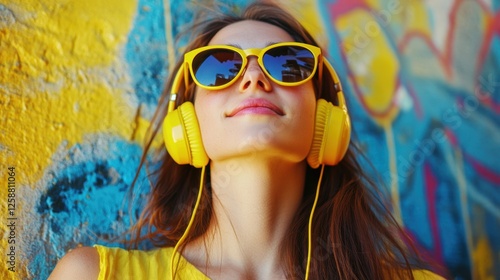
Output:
x,y
289,64
216,67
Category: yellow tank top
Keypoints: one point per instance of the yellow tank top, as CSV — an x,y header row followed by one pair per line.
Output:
x,y
117,263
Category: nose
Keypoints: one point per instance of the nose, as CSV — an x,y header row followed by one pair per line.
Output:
x,y
254,78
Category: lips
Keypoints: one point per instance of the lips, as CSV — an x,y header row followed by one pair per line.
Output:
x,y
259,106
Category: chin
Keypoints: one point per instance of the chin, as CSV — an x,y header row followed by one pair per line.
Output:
x,y
251,149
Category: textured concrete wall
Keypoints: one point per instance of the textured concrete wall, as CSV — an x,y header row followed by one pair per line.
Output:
x,y
80,79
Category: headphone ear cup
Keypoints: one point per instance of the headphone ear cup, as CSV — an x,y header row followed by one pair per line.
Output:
x,y
182,136
332,133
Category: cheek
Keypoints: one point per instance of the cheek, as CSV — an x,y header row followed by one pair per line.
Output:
x,y
306,108
301,132
309,112
204,112
208,112
307,120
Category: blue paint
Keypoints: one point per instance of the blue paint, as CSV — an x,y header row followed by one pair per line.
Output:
x,y
146,52
86,202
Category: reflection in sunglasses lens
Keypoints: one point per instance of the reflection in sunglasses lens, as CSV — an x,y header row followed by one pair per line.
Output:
x,y
289,64
216,67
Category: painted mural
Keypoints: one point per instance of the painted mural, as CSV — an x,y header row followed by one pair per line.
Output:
x,y
79,81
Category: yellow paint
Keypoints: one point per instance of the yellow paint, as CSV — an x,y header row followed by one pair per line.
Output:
x,y
374,4
45,121
483,260
60,80
169,34
46,40
372,61
57,57
416,17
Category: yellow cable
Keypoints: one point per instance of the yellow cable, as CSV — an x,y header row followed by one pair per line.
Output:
x,y
309,228
184,235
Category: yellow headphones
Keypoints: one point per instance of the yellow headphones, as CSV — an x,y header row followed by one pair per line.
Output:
x,y
332,132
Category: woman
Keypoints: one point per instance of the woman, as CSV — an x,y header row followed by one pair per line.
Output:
x,y
258,120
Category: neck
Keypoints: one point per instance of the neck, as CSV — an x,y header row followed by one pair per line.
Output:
x,y
254,203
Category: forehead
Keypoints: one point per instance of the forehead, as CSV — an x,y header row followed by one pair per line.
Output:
x,y
250,34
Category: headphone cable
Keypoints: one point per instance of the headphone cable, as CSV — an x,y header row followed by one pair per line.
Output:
x,y
309,227
198,199
191,220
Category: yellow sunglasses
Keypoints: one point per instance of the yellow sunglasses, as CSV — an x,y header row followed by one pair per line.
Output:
x,y
219,66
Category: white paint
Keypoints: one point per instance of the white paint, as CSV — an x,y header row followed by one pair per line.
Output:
x,y
439,14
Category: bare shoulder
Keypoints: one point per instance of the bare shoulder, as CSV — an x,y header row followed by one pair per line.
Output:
x,y
79,264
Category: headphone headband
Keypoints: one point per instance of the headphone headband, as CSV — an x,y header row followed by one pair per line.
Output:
x,y
336,80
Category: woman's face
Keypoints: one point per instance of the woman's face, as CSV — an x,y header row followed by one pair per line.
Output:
x,y
228,131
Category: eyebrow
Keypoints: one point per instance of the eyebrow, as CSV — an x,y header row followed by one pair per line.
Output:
x,y
235,45
269,43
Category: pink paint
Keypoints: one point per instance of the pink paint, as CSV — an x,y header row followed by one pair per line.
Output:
x,y
416,102
492,30
443,57
344,7
431,189
451,137
484,171
437,266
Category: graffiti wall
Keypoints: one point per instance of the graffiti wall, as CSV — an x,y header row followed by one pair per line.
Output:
x,y
79,81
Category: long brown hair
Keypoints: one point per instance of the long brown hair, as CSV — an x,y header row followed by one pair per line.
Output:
x,y
354,235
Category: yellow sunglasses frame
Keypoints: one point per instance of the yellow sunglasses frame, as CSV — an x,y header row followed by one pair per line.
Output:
x,y
183,72
259,53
